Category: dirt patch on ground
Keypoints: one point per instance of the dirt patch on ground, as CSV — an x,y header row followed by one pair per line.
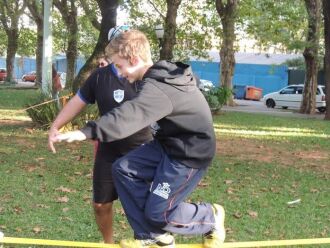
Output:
x,y
252,150
16,123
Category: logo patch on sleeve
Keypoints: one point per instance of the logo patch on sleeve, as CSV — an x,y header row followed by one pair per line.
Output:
x,y
118,95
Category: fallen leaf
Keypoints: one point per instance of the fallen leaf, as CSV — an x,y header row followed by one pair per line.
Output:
x,y
42,206
18,210
203,184
79,157
63,199
65,209
253,214
30,167
314,191
29,130
123,224
36,229
65,190
86,198
230,191
237,215
66,219
120,211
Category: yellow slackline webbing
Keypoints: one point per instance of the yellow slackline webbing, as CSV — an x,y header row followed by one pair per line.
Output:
x,y
52,100
26,241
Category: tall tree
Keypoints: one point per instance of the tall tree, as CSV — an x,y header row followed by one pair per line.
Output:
x,y
108,10
36,9
326,16
313,8
227,11
10,12
169,39
279,25
68,10
194,30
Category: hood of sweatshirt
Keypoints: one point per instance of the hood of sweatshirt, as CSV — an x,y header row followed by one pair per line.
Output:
x,y
176,74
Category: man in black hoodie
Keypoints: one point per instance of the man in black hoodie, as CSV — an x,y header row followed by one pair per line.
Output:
x,y
154,180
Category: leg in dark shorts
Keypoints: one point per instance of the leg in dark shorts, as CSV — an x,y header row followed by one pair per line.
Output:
x,y
103,186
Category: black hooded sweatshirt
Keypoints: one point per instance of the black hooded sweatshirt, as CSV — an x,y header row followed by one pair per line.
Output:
x,y
170,97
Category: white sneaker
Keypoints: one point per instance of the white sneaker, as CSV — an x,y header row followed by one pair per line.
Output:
x,y
217,235
165,240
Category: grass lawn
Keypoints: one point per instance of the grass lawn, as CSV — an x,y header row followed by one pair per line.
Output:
x,y
262,163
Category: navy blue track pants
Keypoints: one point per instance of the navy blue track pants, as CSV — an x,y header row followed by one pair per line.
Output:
x,y
152,189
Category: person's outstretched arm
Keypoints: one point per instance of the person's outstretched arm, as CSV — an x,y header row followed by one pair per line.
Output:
x,y
70,111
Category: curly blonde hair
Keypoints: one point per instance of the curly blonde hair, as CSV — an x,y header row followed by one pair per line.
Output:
x,y
129,44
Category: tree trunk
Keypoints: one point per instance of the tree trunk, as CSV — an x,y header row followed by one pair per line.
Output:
x,y
326,14
72,51
39,53
11,52
169,39
68,11
9,16
109,15
227,15
310,54
36,10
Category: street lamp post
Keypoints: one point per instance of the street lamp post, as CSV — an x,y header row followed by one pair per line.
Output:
x,y
159,33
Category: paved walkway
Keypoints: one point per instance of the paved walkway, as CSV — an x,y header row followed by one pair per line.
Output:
x,y
258,107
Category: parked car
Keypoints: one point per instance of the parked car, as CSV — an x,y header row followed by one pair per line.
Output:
x,y
205,85
3,74
291,97
30,77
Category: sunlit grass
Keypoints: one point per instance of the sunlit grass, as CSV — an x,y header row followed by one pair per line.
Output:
x,y
270,133
15,115
15,99
269,128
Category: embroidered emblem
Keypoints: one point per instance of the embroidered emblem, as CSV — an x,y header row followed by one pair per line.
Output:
x,y
118,95
163,190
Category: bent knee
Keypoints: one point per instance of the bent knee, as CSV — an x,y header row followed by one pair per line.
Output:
x,y
155,217
120,165
102,207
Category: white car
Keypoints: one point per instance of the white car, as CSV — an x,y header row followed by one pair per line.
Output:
x,y
205,85
291,97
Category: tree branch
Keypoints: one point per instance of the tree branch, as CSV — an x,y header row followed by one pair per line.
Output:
x,y
160,13
91,15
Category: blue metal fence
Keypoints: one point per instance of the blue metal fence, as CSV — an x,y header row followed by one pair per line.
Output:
x,y
268,77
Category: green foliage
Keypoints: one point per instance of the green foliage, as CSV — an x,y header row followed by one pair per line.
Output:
x,y
43,114
197,26
90,113
298,63
60,33
88,36
217,97
27,42
46,110
278,24
3,41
